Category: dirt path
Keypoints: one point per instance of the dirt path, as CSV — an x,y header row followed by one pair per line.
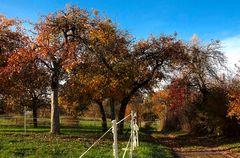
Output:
x,y
197,154
203,154
195,147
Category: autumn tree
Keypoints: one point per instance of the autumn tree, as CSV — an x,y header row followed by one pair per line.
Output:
x,y
205,61
11,38
28,84
139,66
92,82
128,67
59,47
22,79
203,72
110,48
152,60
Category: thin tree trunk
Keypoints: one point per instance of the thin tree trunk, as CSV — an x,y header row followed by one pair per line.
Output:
x,y
35,122
103,114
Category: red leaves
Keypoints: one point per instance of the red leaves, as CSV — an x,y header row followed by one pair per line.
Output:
x,y
177,94
20,59
174,96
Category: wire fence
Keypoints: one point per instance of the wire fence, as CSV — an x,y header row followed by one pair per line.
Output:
x,y
19,120
28,121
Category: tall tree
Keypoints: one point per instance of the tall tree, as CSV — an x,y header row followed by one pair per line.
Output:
x,y
152,60
204,64
133,67
59,47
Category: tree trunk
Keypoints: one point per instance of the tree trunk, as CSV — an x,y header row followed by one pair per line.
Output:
x,y
126,100
1,107
112,109
205,93
35,122
104,119
55,122
121,113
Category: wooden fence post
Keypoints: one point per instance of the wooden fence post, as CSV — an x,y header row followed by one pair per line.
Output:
x,y
115,145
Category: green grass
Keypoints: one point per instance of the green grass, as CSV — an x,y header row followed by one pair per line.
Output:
x,y
36,145
152,150
73,141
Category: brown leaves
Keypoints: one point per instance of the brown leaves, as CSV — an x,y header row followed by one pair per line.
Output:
x,y
11,37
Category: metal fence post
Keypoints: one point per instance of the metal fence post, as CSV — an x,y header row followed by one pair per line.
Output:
x,y
115,145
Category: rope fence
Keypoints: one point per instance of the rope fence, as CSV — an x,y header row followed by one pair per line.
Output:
x,y
123,119
133,139
126,149
95,142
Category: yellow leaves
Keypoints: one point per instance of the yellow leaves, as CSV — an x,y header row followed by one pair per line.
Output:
x,y
104,33
160,100
234,109
234,104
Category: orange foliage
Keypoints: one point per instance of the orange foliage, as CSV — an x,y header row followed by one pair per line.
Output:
x,y
234,103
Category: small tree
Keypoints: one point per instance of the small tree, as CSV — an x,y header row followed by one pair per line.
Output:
x,y
28,85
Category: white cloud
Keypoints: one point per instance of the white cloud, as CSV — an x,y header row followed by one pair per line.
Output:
x,y
231,48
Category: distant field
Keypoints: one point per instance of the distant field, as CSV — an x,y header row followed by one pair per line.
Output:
x,y
74,140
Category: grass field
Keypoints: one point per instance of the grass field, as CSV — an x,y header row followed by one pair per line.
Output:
x,y
74,140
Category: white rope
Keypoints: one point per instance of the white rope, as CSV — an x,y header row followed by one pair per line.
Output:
x,y
104,135
95,142
126,147
123,119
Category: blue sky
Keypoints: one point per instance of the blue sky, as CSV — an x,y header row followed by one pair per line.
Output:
x,y
209,19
